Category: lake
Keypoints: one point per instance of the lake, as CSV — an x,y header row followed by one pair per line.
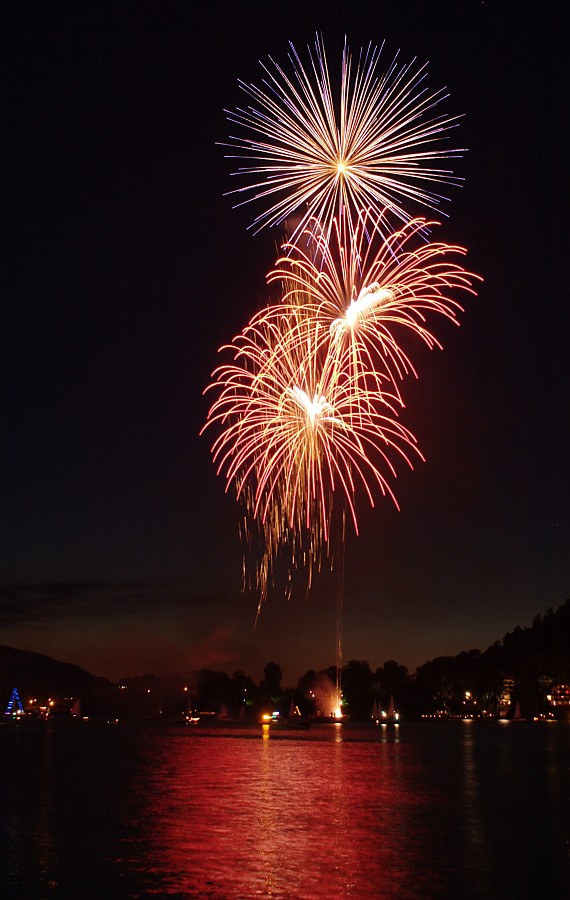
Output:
x,y
432,809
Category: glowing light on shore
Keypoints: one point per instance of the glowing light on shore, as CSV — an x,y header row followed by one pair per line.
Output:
x,y
311,151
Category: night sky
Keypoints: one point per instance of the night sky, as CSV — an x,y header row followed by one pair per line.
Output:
x,y
125,268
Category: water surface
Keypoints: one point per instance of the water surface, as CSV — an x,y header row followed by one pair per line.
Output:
x,y
430,809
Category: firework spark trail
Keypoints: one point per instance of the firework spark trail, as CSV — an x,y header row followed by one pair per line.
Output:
x,y
379,149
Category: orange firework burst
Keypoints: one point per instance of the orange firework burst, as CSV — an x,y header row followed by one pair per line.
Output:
x,y
297,427
308,156
363,288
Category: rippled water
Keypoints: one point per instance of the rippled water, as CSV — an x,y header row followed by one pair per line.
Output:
x,y
431,809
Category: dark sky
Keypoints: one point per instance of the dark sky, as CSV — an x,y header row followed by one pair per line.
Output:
x,y
124,268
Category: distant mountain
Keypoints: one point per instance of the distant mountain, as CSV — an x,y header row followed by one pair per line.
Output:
x,y
36,675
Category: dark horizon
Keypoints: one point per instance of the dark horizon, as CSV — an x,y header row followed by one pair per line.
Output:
x,y
507,638
126,269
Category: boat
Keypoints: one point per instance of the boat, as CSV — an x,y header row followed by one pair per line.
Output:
x,y
375,714
191,716
14,711
391,717
293,721
517,715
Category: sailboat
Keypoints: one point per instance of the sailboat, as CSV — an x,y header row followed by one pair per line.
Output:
x,y
293,720
14,710
517,715
391,717
191,717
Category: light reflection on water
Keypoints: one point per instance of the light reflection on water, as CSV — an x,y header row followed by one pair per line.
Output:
x,y
279,817
464,810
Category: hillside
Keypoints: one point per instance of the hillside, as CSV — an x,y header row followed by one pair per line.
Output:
x,y
36,675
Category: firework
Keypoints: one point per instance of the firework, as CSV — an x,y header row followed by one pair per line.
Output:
x,y
306,411
297,430
304,154
364,289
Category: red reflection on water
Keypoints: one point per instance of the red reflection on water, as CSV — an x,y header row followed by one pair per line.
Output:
x,y
241,816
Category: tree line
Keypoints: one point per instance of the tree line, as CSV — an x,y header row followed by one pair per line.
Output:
x,y
527,660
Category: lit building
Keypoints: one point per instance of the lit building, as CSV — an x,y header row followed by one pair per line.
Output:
x,y
506,696
559,695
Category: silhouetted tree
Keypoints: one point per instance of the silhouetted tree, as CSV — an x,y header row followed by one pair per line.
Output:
x,y
270,685
305,700
214,690
356,684
243,694
392,680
